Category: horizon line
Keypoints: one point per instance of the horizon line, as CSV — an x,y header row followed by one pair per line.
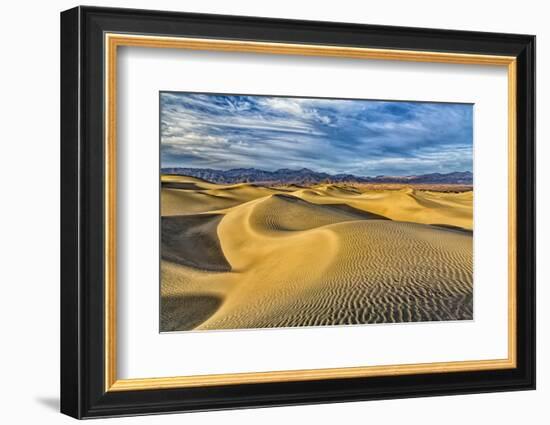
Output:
x,y
313,171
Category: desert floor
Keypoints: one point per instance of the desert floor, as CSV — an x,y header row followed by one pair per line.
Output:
x,y
248,256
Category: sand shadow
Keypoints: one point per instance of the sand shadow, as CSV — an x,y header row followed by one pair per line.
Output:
x,y
186,312
192,240
181,185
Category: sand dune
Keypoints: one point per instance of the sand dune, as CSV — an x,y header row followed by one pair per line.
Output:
x,y
405,205
188,195
243,256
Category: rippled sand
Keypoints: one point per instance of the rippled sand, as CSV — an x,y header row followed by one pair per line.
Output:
x,y
245,256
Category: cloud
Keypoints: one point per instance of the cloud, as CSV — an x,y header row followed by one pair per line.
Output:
x,y
363,137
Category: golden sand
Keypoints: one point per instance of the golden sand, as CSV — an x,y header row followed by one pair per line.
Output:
x,y
246,256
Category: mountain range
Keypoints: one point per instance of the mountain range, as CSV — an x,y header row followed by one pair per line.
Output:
x,y
306,176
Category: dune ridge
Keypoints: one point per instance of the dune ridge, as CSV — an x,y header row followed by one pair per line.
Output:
x,y
324,255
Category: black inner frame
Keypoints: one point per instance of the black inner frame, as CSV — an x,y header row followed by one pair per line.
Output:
x,y
82,212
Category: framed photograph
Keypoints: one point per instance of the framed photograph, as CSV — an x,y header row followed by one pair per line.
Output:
x,y
261,212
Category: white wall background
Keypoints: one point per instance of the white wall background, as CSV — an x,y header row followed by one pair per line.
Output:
x,y
29,224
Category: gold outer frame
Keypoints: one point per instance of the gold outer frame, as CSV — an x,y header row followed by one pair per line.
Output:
x,y
113,41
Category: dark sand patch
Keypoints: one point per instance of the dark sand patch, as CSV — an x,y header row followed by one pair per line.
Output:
x,y
192,240
181,185
186,312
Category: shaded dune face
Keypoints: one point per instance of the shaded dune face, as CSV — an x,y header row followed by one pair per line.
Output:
x,y
185,312
191,240
311,257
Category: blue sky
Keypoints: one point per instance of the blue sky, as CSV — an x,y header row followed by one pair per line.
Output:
x,y
362,137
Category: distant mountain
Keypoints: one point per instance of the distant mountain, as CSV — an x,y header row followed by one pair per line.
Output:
x,y
308,177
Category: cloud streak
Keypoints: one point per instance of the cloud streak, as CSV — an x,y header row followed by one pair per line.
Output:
x,y
363,137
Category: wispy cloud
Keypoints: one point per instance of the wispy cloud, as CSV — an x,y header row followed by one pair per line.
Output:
x,y
363,137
